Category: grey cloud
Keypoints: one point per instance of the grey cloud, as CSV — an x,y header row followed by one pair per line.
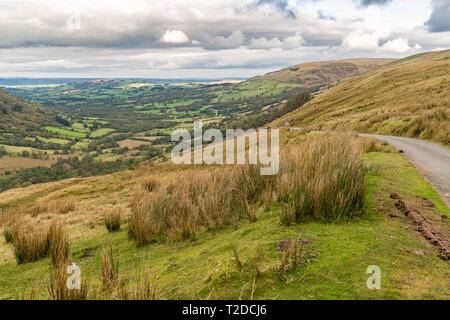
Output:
x,y
323,16
280,5
440,16
367,3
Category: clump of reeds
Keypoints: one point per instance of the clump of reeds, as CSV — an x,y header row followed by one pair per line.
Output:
x,y
322,179
110,270
32,245
113,219
58,244
64,205
150,184
58,288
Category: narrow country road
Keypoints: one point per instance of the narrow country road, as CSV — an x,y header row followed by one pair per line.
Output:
x,y
432,160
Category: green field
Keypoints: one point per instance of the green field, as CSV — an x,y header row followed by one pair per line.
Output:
x,y
65,132
101,132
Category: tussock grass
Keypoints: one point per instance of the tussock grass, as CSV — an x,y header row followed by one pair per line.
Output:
x,y
31,244
322,179
61,206
371,144
212,200
150,184
64,205
40,206
113,219
110,269
9,233
58,289
58,244
144,287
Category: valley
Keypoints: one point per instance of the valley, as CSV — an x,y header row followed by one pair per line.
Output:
x,y
91,183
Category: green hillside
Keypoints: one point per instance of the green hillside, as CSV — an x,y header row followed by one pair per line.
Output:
x,y
18,114
316,75
408,97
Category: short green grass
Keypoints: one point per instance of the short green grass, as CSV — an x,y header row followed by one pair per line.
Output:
x,y
339,254
101,132
65,132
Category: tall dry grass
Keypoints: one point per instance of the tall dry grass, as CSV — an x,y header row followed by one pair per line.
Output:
x,y
212,200
110,270
31,244
58,244
113,219
144,287
57,287
322,179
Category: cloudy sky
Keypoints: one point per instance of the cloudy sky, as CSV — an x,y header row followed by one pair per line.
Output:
x,y
208,38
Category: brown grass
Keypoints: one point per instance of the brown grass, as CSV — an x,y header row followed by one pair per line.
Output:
x,y
113,219
9,233
371,144
40,206
64,205
322,179
31,244
61,206
212,200
59,246
109,270
58,289
150,184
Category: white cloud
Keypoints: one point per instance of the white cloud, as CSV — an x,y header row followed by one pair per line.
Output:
x,y
365,41
371,42
293,42
399,45
174,36
163,38
287,43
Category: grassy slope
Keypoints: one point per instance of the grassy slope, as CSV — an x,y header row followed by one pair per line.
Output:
x,y
315,75
207,268
408,97
15,113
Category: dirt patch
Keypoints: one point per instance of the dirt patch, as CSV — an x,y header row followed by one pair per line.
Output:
x,y
88,252
425,227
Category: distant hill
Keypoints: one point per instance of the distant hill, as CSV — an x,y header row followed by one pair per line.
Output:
x,y
18,114
409,97
316,75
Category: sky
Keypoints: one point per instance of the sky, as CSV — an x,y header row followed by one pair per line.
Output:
x,y
208,38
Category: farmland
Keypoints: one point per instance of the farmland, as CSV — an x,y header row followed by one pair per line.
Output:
x,y
123,122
